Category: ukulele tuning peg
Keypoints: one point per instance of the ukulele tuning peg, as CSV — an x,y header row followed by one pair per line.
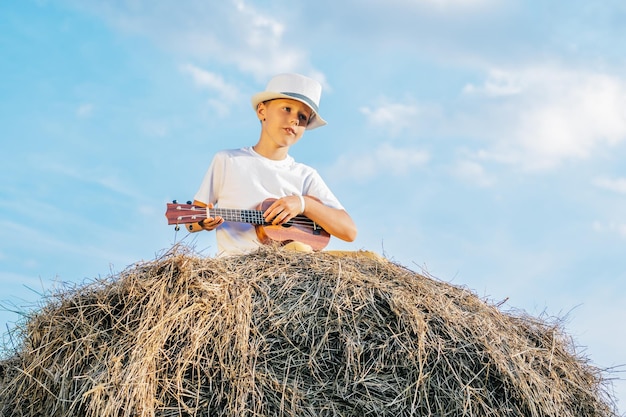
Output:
x,y
174,201
188,202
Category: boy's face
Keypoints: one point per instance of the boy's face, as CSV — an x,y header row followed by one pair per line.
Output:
x,y
283,120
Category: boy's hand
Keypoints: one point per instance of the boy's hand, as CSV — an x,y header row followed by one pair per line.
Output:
x,y
208,224
211,223
283,210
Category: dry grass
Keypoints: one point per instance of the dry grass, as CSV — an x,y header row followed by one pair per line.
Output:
x,y
277,333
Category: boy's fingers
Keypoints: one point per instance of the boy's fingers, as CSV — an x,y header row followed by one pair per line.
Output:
x,y
282,210
211,223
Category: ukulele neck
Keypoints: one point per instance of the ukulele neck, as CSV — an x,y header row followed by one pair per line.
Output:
x,y
238,215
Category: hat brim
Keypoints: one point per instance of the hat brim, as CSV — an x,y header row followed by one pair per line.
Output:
x,y
314,123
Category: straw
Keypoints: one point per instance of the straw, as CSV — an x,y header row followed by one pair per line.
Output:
x,y
278,333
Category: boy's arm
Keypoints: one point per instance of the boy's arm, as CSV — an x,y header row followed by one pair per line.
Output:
x,y
337,222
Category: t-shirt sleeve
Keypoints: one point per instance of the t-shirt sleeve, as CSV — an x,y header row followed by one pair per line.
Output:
x,y
210,188
316,187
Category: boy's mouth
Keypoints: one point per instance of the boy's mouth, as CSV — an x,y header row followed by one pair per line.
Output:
x,y
290,130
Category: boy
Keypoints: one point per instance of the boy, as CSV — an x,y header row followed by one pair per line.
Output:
x,y
243,178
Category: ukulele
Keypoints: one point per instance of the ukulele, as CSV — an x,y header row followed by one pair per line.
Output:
x,y
300,228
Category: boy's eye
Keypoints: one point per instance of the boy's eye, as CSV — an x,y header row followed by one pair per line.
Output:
x,y
304,119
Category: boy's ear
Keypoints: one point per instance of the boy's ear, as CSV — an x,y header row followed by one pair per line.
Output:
x,y
260,110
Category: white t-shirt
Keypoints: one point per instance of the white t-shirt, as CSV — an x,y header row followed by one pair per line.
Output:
x,y
242,179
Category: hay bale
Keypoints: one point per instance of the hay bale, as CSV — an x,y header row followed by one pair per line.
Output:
x,y
277,333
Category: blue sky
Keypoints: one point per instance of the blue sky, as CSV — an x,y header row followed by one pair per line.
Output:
x,y
482,141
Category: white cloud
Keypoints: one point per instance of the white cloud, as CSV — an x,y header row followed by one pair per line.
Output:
x,y
398,117
97,176
210,80
455,5
84,110
539,117
383,160
474,173
498,83
222,93
155,128
615,228
617,185
447,6
228,32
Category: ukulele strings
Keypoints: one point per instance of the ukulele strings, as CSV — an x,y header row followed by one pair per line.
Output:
x,y
254,219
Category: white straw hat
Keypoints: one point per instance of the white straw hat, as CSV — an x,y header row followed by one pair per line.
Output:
x,y
295,87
